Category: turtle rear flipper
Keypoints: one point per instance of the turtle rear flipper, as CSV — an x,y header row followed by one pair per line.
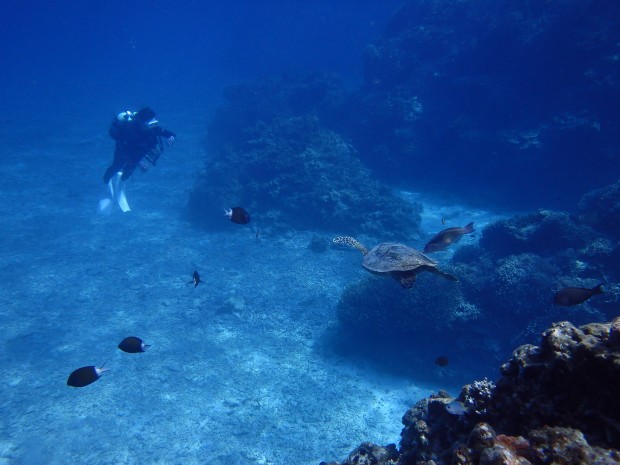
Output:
x,y
442,273
405,279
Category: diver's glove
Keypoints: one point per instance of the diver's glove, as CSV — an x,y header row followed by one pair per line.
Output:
x,y
144,165
170,140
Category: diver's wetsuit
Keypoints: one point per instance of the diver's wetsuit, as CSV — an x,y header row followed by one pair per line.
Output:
x,y
134,140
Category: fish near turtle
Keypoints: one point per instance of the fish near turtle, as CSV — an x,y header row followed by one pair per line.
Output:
x,y
444,239
401,262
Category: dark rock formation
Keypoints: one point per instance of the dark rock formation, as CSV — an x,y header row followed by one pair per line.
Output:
x,y
271,153
554,403
567,381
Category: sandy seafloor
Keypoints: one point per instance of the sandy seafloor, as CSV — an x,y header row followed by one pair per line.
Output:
x,y
236,372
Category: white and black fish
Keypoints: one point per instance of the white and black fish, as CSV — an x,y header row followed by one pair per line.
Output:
x,y
132,345
457,407
85,375
237,215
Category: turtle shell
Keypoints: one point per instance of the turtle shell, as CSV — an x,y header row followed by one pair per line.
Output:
x,y
390,257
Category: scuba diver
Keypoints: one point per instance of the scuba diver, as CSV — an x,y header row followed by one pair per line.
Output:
x,y
139,142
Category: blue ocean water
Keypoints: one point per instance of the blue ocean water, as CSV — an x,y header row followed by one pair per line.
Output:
x,y
238,370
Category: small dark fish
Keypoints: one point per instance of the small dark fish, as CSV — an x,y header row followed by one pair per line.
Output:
x,y
258,234
447,237
570,296
442,361
85,376
238,215
457,407
132,345
195,279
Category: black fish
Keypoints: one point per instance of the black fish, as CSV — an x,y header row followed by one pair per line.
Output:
x,y
442,240
570,296
132,345
85,376
196,279
238,215
442,361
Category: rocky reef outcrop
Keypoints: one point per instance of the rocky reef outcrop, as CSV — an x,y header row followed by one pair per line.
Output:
x,y
555,403
273,153
404,330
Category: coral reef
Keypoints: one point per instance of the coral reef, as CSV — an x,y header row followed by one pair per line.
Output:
x,y
554,403
505,294
271,153
450,81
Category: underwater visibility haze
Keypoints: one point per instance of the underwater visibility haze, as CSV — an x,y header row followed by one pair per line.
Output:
x,y
262,232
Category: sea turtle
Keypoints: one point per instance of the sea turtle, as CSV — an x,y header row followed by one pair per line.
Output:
x,y
399,261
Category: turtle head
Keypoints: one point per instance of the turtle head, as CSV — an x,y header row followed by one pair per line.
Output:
x,y
350,241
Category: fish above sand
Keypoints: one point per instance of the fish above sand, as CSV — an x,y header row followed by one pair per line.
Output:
x,y
444,239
